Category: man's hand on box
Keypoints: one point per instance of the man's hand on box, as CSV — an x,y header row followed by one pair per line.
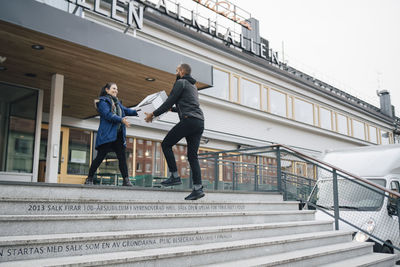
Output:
x,y
149,117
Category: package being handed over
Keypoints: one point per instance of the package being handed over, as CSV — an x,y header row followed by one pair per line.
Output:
x,y
151,103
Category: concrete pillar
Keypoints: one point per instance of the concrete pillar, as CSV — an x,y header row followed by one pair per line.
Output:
x,y
53,142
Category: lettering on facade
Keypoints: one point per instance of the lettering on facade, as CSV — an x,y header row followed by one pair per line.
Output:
x,y
130,13
105,246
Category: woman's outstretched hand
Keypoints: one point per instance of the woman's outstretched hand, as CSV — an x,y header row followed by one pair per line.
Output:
x,y
126,122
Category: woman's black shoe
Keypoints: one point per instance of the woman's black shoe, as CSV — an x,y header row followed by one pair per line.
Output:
x,y
89,181
196,194
126,182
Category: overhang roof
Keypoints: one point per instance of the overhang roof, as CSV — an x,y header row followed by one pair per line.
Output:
x,y
87,54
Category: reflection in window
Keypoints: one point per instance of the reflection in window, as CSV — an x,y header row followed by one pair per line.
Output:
x,y
358,130
277,100
17,129
325,117
235,89
303,111
342,124
220,88
372,134
250,94
79,152
385,137
153,160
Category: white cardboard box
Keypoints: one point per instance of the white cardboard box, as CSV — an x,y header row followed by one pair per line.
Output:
x,y
151,103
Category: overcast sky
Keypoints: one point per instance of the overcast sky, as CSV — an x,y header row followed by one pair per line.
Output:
x,y
353,45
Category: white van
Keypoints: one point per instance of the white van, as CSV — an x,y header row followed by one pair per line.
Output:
x,y
360,206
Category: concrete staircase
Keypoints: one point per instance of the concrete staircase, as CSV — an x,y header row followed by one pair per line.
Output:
x,y
73,225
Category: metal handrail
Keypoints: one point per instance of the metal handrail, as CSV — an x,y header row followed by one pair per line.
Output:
x,y
343,171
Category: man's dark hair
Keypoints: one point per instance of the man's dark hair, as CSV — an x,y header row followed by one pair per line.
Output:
x,y
186,68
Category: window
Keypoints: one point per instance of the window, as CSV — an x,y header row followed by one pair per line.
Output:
x,y
264,98
372,134
325,118
79,152
149,158
235,89
277,101
385,137
358,129
303,111
395,186
341,121
290,107
220,88
250,94
17,128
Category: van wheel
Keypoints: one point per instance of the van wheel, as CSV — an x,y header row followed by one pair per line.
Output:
x,y
386,249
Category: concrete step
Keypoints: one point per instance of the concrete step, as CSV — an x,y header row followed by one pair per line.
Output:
x,y
318,256
58,245
67,191
373,260
38,206
11,225
190,255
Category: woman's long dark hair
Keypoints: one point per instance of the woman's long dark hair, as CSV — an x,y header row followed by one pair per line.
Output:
x,y
103,91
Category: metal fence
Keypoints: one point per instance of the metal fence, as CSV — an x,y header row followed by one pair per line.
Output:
x,y
365,206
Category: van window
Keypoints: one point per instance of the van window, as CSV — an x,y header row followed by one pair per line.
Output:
x,y
395,186
352,196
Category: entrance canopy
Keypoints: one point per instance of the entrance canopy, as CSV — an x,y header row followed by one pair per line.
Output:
x,y
88,55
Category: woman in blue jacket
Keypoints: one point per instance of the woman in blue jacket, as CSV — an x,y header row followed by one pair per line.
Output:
x,y
111,135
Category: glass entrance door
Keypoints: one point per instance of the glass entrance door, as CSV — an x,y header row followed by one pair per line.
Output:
x,y
74,158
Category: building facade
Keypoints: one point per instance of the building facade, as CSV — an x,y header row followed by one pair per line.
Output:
x,y
58,54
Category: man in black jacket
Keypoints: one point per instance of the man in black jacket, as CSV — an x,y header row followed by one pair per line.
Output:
x,y
185,97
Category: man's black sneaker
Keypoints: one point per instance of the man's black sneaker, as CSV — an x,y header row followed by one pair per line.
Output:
x,y
172,181
196,194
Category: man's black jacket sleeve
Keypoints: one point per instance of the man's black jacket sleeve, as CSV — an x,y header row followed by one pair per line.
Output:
x,y
171,100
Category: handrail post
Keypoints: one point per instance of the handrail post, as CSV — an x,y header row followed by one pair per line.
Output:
x,y
233,176
216,171
255,178
335,199
278,168
285,190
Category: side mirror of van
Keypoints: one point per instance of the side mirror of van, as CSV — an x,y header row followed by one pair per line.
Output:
x,y
392,205
392,209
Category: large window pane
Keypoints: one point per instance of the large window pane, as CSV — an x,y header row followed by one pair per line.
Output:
x,y
264,98
78,152
17,128
277,100
250,94
358,130
385,137
325,117
221,85
303,111
342,124
235,89
372,134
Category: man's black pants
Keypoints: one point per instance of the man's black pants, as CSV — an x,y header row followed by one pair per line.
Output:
x,y
118,147
191,129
